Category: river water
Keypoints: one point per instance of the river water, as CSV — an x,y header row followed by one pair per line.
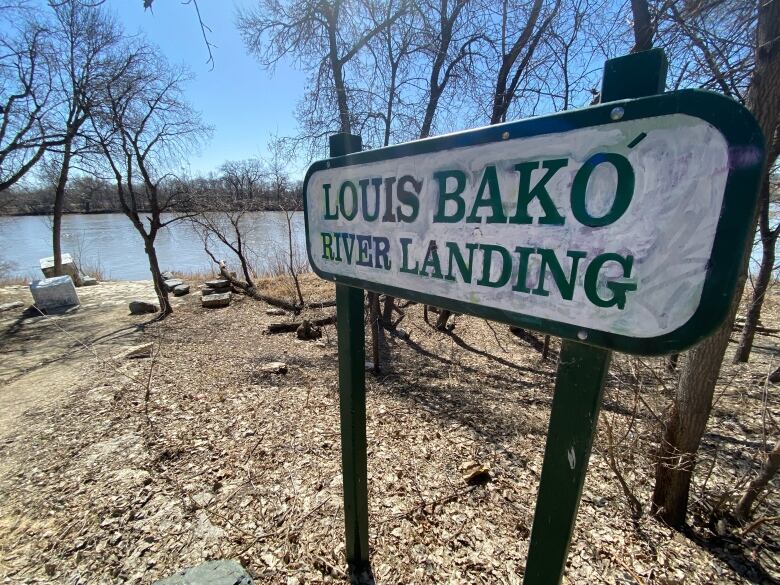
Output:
x,y
109,242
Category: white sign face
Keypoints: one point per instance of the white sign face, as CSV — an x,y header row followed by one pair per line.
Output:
x,y
608,228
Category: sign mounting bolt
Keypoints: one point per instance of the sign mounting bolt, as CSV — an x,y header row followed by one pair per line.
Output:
x,y
583,335
617,113
505,136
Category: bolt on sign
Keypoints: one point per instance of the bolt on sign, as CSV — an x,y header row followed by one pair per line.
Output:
x,y
620,225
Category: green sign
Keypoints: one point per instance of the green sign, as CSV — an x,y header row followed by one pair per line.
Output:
x,y
620,225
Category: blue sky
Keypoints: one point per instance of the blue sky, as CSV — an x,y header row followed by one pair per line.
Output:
x,y
244,103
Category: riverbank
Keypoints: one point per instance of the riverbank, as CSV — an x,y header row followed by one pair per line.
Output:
x,y
126,470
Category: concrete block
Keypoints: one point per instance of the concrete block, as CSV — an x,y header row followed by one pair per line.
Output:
x,y
172,283
68,267
216,300
51,293
142,307
218,283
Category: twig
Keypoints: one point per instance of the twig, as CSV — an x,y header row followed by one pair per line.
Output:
x,y
756,523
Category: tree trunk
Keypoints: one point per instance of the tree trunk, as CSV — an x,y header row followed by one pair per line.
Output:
x,y
293,272
241,256
159,285
755,487
502,93
643,27
373,315
774,377
768,241
441,322
387,311
59,206
430,109
685,426
338,73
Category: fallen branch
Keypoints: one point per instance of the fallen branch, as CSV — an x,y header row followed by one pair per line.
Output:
x,y
293,325
755,524
633,501
321,304
528,337
759,328
251,291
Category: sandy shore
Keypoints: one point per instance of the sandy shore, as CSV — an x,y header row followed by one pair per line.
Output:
x,y
43,356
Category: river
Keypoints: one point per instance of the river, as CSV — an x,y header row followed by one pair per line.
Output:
x,y
110,242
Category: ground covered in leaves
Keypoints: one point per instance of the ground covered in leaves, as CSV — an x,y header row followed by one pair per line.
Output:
x,y
148,465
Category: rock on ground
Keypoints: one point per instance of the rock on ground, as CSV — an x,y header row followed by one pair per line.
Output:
x,y
308,331
139,351
8,306
216,300
142,307
181,290
218,283
274,368
211,573
172,283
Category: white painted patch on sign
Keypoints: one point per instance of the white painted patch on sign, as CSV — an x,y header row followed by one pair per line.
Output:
x,y
621,229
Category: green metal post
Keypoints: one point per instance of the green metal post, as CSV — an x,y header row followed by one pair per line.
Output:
x,y
352,400
575,409
579,382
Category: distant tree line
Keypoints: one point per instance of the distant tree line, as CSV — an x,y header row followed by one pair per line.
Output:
x,y
243,184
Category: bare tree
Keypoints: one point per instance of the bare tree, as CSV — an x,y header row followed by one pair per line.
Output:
x,y
515,56
452,35
393,82
27,103
226,226
279,183
85,41
582,35
642,25
322,36
144,127
242,178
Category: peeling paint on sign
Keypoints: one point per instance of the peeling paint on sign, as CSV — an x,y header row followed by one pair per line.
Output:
x,y
607,228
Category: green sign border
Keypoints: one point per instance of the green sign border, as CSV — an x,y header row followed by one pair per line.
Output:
x,y
746,161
